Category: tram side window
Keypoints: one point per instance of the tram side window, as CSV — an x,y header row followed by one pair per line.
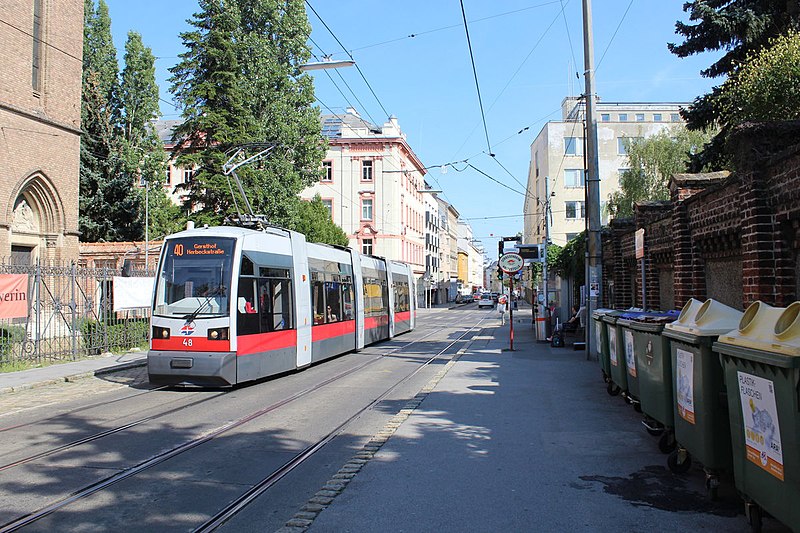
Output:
x,y
347,301
247,316
264,305
318,299
333,301
274,297
401,297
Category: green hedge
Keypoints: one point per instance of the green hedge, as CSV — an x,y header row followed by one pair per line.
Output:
x,y
99,337
9,335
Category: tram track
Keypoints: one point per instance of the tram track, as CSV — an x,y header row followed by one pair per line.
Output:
x,y
209,435
270,480
129,425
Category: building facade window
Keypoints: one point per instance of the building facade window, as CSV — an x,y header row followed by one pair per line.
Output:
x,y
36,65
571,236
573,146
622,145
639,117
675,117
328,203
574,210
366,170
327,168
657,117
366,246
605,117
366,209
574,177
623,117
188,174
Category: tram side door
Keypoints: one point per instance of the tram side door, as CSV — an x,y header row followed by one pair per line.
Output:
x,y
391,286
302,298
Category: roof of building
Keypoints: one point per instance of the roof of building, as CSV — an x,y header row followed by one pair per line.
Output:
x,y
165,128
332,124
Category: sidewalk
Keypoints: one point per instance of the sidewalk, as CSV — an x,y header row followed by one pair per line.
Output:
x,y
58,373
527,440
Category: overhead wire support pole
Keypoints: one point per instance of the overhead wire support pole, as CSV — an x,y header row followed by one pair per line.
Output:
x,y
594,272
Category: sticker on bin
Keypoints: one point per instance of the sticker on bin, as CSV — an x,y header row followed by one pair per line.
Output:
x,y
612,348
598,330
685,382
762,434
630,356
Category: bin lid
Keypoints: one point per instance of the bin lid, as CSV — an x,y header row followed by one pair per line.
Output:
x,y
597,313
708,319
769,329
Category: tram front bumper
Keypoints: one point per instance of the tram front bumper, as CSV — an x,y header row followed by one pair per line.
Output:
x,y
195,368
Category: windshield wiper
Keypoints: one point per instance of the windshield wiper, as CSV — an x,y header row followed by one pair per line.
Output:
x,y
211,294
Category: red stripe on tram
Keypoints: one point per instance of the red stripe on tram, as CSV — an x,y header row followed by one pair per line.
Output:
x,y
321,332
264,342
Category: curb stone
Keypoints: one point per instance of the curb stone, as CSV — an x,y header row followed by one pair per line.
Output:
x,y
75,377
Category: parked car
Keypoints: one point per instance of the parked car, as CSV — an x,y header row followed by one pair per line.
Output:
x,y
486,301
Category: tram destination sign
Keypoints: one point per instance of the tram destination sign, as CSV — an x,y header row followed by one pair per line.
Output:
x,y
511,263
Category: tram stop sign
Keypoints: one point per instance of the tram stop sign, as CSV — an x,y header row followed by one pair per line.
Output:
x,y
511,263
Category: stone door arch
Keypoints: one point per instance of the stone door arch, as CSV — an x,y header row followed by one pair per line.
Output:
x,y
36,220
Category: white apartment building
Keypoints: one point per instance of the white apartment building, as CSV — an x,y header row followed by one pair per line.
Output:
x,y
372,188
556,171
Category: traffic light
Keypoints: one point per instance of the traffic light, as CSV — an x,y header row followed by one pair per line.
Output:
x,y
500,273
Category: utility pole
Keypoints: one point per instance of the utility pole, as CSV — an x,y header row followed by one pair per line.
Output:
x,y
594,271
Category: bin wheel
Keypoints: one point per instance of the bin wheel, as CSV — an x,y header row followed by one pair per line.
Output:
x,y
667,442
753,513
712,486
679,461
656,432
612,389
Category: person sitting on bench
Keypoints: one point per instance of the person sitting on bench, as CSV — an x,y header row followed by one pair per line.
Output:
x,y
576,321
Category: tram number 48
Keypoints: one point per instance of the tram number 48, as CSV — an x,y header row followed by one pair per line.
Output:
x,y
187,342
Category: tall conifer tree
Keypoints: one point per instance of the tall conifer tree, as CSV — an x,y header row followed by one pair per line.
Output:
x,y
107,198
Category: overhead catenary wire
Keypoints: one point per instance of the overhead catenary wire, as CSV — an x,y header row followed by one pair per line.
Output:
x,y
475,75
350,56
613,36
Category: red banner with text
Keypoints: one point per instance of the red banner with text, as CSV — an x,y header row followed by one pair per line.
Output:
x,y
13,295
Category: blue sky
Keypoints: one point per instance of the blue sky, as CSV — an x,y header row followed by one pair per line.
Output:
x,y
525,54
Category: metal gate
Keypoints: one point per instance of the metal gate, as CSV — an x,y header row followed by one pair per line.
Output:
x,y
70,315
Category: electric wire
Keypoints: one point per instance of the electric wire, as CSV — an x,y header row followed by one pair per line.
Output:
x,y
569,37
308,3
475,75
612,37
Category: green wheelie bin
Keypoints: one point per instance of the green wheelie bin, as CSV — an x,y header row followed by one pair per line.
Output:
x,y
700,410
600,349
618,381
650,368
761,362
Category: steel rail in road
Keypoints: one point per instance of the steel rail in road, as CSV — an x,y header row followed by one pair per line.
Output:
x,y
82,493
267,482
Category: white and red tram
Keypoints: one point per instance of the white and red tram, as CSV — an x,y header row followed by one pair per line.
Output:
x,y
233,304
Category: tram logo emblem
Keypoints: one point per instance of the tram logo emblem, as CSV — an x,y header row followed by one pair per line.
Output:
x,y
187,329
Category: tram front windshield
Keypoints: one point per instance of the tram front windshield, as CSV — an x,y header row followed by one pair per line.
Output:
x,y
195,277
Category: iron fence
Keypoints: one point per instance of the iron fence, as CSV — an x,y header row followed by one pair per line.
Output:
x,y
70,315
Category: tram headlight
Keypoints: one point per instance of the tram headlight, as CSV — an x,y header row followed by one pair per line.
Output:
x,y
218,334
160,333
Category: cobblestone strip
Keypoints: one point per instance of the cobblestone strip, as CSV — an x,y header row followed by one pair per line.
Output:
x,y
303,519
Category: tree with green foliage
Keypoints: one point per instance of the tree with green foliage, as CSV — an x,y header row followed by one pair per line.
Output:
x,y
239,82
740,28
652,161
314,220
107,198
767,84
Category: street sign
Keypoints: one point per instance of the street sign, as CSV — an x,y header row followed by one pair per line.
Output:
x,y
510,263
638,239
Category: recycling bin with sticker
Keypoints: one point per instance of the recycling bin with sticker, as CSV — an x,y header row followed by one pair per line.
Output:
x,y
700,408
600,348
618,381
761,364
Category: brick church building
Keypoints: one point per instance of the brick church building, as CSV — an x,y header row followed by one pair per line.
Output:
x,y
41,46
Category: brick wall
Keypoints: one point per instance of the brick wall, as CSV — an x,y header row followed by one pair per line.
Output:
x,y
40,151
731,237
